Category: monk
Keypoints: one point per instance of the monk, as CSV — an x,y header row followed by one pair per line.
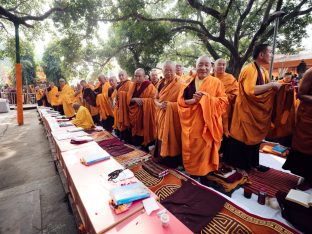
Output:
x,y
154,77
168,143
299,160
283,116
231,90
252,112
66,98
121,118
39,96
83,117
52,96
103,84
141,109
179,72
89,100
201,104
104,102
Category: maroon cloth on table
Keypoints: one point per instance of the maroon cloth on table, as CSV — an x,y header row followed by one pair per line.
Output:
x,y
272,181
193,205
110,143
143,86
119,150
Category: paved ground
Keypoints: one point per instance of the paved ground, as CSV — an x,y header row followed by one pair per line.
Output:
x,y
31,192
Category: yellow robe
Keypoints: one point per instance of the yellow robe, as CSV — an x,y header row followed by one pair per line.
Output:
x,y
202,126
52,94
67,99
231,90
83,118
252,113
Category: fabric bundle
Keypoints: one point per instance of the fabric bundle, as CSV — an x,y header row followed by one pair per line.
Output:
x,y
155,169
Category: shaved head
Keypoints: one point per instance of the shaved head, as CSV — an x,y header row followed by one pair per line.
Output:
x,y
102,78
169,69
139,75
203,66
113,81
122,75
220,66
76,106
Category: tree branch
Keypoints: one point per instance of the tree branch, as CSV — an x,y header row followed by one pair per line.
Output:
x,y
209,47
17,6
209,11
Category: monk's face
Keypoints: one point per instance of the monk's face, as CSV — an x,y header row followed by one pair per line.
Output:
x,y
139,76
122,76
287,78
203,68
51,84
220,67
83,84
266,55
113,82
154,77
102,79
62,84
169,71
179,69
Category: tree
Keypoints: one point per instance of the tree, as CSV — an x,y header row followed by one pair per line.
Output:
x,y
52,64
228,29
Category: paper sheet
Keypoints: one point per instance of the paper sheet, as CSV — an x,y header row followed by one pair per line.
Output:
x,y
150,205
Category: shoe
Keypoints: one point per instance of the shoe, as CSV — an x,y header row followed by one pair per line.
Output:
x,y
262,168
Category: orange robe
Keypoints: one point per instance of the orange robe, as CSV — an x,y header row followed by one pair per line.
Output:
x,y
252,113
105,103
121,118
231,90
142,118
39,94
283,116
202,126
184,78
52,94
94,110
167,121
67,99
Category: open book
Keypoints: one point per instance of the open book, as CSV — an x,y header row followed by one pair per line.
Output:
x,y
300,198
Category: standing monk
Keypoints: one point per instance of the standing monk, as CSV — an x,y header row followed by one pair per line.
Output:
x,y
154,77
141,109
299,161
67,99
252,112
53,96
179,72
121,118
201,104
89,97
231,90
168,144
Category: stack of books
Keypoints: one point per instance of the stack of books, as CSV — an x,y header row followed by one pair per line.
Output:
x,y
155,169
129,193
90,158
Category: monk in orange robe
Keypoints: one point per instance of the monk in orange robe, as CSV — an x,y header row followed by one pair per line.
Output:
x,y
299,160
53,96
154,77
184,78
39,96
141,109
89,101
283,116
104,102
201,104
231,90
121,117
252,112
66,99
168,144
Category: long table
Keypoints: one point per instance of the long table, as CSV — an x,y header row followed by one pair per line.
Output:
x,y
90,190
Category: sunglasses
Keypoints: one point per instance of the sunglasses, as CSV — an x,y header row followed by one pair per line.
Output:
x,y
113,175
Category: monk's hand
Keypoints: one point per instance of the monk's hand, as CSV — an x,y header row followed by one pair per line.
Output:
x,y
138,101
197,96
276,86
163,106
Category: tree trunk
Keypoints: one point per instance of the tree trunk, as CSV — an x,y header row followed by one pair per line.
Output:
x,y
235,66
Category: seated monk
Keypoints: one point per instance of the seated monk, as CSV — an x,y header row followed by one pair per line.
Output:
x,y
231,90
252,112
201,104
168,143
121,118
83,117
299,160
141,109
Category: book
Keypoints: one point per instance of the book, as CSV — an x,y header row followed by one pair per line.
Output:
x,y
300,197
66,124
279,149
129,193
78,129
90,158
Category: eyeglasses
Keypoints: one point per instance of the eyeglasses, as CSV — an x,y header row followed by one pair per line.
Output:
x,y
113,175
